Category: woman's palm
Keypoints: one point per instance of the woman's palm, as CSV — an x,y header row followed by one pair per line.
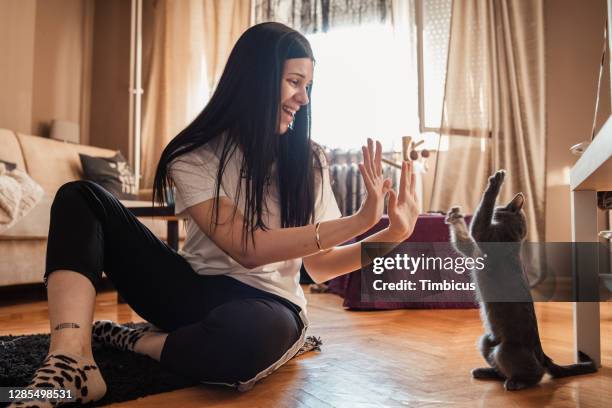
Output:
x,y
403,209
376,185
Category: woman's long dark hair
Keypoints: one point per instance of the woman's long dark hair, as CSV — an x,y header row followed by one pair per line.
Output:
x,y
245,106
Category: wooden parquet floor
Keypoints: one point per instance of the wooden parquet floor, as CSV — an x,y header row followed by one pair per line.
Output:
x,y
402,358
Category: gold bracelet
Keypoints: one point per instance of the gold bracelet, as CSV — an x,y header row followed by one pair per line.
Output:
x,y
317,238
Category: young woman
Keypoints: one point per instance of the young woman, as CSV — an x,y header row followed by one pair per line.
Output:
x,y
255,189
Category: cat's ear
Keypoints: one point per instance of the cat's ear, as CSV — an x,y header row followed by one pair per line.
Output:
x,y
517,203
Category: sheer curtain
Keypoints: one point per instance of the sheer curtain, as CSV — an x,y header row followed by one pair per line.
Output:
x,y
493,113
224,22
189,43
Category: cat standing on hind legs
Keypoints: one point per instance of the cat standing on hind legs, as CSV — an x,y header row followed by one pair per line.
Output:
x,y
511,342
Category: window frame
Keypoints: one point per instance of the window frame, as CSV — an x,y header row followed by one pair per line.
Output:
x,y
419,16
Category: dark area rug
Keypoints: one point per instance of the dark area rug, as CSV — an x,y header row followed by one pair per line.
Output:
x,y
128,375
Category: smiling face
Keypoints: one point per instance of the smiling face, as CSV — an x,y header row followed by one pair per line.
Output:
x,y
295,82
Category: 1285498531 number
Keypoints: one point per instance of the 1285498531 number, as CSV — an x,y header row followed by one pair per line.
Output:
x,y
15,394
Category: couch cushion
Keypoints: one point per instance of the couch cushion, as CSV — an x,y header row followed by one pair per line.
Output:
x,y
10,150
23,261
52,163
35,225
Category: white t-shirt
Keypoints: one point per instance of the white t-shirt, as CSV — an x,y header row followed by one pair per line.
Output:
x,y
194,175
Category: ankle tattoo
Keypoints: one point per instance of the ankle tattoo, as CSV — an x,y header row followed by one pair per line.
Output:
x,y
67,326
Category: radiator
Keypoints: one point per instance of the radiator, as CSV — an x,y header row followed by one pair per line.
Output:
x,y
347,183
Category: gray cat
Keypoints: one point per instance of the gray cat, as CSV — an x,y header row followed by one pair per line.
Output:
x,y
511,343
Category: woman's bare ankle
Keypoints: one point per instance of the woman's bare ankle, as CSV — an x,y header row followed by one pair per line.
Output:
x,y
78,351
72,346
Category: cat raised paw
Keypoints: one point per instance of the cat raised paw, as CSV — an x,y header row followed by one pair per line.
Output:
x,y
453,215
496,180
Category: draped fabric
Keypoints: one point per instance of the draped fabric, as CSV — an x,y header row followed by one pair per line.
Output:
x,y
186,51
493,112
224,23
312,16
174,86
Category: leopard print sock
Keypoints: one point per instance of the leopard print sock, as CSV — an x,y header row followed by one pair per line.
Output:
x,y
65,371
117,335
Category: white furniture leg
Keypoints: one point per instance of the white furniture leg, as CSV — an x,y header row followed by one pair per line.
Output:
x,y
586,314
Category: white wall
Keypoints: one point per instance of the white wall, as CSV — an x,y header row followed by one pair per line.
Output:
x,y
574,40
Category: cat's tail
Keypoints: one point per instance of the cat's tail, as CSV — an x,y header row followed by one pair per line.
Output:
x,y
585,366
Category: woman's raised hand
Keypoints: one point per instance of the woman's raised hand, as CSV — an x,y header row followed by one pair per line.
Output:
x,y
403,209
376,185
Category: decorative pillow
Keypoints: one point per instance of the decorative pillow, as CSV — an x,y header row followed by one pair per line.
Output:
x,y
112,173
19,193
10,196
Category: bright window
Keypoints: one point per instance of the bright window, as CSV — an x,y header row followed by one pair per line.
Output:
x,y
363,87
366,82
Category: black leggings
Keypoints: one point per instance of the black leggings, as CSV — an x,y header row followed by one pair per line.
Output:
x,y
220,329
